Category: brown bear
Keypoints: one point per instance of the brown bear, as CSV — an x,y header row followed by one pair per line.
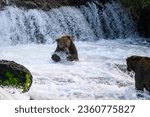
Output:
x,y
141,66
65,44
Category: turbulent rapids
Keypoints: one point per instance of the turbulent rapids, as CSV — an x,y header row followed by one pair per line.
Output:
x,y
104,36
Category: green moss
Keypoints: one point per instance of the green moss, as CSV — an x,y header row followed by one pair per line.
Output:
x,y
15,80
6,83
12,80
9,75
27,84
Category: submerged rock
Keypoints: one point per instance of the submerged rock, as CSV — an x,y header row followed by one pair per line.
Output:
x,y
15,75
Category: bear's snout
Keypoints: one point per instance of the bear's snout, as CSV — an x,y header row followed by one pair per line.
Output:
x,y
128,68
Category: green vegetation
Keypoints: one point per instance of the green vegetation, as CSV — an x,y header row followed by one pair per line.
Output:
x,y
136,3
135,6
28,83
13,80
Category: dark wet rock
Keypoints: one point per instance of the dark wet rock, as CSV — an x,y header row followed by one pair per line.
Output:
x,y
55,58
15,75
140,11
144,22
46,4
43,4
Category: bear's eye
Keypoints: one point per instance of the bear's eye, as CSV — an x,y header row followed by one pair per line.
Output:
x,y
61,45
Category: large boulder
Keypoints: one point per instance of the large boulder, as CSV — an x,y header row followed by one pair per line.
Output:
x,y
15,75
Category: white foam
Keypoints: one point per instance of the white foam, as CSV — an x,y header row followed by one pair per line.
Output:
x,y
94,76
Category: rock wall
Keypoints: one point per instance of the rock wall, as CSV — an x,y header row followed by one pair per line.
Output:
x,y
144,22
41,4
140,10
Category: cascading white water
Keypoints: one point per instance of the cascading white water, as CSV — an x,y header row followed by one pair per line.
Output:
x,y
108,21
89,22
20,26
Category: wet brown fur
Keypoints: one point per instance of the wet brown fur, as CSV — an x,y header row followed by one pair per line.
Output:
x,y
141,66
65,44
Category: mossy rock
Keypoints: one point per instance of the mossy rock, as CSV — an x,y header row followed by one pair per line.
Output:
x,y
15,75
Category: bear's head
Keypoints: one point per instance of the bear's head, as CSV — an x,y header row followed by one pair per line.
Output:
x,y
132,62
64,43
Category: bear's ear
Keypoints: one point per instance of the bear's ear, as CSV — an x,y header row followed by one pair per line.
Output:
x,y
70,38
136,58
57,40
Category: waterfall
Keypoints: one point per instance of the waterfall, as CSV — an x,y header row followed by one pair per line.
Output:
x,y
87,22
108,21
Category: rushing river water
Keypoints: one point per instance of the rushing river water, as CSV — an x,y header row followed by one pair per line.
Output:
x,y
104,37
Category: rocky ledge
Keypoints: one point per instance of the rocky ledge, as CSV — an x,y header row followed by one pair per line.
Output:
x,y
140,10
41,4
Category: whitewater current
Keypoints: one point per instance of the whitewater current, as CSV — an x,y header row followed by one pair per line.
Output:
x,y
104,37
